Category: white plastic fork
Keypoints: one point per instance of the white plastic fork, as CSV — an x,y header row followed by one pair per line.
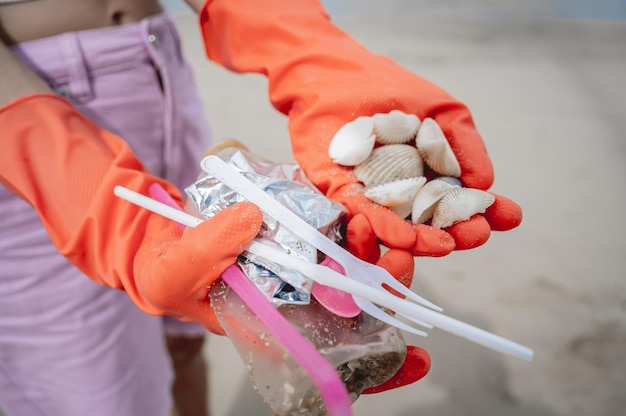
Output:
x,y
317,272
321,275
329,277
355,268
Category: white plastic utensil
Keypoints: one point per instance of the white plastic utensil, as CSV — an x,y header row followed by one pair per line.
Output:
x,y
388,300
354,267
378,296
318,274
338,302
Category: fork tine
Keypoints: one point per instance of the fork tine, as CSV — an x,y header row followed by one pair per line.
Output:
x,y
417,321
373,310
384,279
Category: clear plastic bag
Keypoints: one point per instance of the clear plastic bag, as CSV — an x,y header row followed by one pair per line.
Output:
x,y
363,351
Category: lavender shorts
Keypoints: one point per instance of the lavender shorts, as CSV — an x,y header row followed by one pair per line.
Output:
x,y
67,345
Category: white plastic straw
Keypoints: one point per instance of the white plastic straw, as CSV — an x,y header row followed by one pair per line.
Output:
x,y
157,207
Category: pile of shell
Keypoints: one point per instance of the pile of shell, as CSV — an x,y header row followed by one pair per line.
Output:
x,y
390,152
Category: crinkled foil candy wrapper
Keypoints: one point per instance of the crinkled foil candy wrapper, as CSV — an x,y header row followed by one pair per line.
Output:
x,y
287,183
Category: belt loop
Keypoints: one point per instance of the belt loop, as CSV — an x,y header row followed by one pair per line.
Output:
x,y
79,84
173,31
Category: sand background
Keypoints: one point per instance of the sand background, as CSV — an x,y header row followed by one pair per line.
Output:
x,y
546,85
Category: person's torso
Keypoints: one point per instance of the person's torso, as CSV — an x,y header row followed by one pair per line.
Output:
x,y
22,21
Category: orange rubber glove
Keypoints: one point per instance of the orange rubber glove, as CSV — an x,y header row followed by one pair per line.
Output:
x,y
321,78
66,167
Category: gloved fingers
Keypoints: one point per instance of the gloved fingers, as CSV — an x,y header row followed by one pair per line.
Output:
x,y
387,226
476,172
362,243
504,214
361,240
391,230
375,221
415,367
177,273
166,289
378,222
467,144
471,233
216,243
432,242
400,264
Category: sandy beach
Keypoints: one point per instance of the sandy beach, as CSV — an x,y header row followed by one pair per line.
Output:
x,y
549,97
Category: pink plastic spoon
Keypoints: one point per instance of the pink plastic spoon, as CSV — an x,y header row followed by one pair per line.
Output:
x,y
336,301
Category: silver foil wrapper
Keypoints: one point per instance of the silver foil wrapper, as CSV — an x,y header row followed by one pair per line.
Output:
x,y
287,183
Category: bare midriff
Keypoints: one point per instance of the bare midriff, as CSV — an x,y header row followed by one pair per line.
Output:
x,y
29,20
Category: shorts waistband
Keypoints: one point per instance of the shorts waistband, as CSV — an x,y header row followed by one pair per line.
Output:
x,y
74,56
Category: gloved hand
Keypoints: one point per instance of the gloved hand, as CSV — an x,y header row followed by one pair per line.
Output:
x,y
67,167
321,78
401,265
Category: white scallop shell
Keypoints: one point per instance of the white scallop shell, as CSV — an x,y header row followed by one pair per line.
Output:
x,y
460,204
353,142
395,127
390,163
435,149
392,194
426,199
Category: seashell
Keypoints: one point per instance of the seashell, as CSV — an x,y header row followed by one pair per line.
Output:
x,y
427,197
390,163
395,127
449,180
353,142
460,204
435,149
404,210
392,194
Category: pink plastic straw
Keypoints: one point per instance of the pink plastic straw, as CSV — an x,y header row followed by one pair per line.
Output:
x,y
157,192
331,388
